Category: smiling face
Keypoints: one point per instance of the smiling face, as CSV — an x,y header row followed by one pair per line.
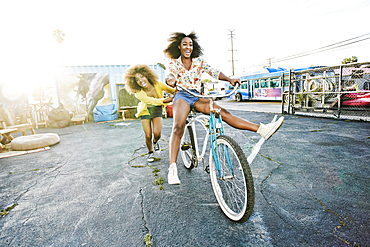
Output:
x,y
142,81
186,47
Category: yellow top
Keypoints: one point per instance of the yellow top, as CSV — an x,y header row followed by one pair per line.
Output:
x,y
145,99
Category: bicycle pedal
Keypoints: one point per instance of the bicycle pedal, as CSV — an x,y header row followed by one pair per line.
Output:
x,y
185,147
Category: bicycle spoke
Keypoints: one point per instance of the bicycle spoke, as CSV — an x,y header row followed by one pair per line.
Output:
x,y
187,148
233,184
233,195
231,177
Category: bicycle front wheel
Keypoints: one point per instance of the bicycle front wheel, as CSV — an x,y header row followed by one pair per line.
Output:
x,y
187,148
234,189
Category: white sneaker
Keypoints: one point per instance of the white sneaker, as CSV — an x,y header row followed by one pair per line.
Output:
x,y
150,157
267,130
172,174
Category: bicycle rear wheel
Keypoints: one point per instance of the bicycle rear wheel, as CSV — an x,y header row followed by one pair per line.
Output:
x,y
234,190
187,148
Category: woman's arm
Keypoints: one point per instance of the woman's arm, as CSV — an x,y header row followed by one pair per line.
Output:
x,y
223,77
166,88
148,100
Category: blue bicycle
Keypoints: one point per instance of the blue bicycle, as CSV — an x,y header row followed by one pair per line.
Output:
x,y
230,173
228,166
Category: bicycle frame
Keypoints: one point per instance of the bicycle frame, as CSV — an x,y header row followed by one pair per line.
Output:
x,y
200,120
215,128
229,168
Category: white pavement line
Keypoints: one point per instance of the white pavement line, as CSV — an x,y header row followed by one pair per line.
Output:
x,y
262,236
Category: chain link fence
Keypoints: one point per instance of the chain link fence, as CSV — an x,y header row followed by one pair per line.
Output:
x,y
337,92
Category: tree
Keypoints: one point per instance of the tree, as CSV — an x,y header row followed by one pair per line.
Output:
x,y
162,66
353,59
58,36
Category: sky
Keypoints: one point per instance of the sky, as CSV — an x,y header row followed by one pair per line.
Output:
x,y
112,32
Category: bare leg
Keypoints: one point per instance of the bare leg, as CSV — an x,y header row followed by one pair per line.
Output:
x,y
202,105
180,112
157,129
146,123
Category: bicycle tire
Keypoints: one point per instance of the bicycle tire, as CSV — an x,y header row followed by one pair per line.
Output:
x,y
187,148
235,194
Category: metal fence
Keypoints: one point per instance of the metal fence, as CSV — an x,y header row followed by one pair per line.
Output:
x,y
337,92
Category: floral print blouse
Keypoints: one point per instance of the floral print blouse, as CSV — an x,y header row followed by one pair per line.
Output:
x,y
191,79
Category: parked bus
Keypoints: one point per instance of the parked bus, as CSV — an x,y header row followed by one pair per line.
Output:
x,y
265,85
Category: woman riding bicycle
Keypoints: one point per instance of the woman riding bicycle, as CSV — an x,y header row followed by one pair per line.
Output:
x,y
185,68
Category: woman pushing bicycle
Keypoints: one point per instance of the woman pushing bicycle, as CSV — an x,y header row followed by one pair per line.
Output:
x,y
185,68
143,82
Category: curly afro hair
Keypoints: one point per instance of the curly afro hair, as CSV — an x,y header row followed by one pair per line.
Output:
x,y
143,69
173,51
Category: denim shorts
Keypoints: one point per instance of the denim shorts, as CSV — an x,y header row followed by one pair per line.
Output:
x,y
154,111
190,99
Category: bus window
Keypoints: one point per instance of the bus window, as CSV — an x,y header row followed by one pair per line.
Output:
x,y
256,84
231,87
244,85
286,83
264,83
274,82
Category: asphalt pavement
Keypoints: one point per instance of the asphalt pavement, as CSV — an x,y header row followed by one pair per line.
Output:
x,y
95,188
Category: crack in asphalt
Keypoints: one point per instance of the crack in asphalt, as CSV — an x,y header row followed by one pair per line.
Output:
x,y
341,221
17,198
33,185
265,197
142,210
264,181
44,175
267,177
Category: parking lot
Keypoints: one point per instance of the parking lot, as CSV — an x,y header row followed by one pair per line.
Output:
x,y
95,188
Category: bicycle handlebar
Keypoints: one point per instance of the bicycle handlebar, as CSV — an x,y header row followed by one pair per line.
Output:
x,y
209,96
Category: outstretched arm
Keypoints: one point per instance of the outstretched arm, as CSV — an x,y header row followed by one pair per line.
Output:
x,y
149,100
223,77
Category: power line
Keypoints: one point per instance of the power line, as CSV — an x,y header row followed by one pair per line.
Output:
x,y
318,50
305,8
281,60
326,47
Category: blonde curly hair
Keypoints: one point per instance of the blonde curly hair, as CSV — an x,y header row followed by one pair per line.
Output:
x,y
130,77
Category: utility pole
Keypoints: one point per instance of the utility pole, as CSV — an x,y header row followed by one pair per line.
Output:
x,y
270,61
232,49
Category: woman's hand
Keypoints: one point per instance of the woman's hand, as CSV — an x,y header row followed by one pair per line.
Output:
x,y
226,78
171,80
168,100
234,81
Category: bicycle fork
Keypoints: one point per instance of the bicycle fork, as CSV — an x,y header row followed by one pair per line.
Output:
x,y
216,128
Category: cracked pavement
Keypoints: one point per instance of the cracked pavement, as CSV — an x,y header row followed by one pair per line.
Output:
x,y
95,188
